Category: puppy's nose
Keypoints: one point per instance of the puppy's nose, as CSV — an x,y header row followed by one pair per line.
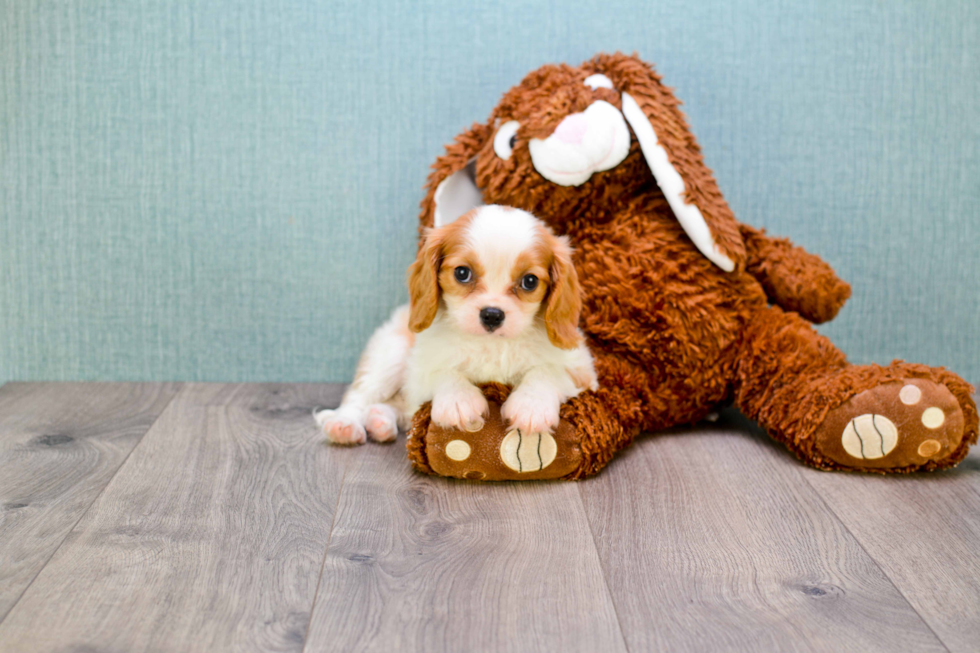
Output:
x,y
491,318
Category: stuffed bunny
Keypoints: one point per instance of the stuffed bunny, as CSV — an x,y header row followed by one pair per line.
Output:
x,y
684,308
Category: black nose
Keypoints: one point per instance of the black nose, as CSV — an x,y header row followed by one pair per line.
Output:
x,y
491,318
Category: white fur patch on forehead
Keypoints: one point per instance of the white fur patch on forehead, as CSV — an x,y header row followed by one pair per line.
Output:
x,y
500,229
498,234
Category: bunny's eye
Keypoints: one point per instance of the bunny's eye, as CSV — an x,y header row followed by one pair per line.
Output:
x,y
506,139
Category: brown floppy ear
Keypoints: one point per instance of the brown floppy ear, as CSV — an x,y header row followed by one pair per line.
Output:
x,y
674,157
451,189
564,298
423,283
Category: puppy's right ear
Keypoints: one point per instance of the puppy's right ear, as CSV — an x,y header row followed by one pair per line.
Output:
x,y
423,282
564,298
451,189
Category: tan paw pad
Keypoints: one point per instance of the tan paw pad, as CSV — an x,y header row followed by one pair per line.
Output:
x,y
525,452
458,450
869,436
929,448
910,395
933,418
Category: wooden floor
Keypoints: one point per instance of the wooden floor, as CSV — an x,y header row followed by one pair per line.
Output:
x,y
166,517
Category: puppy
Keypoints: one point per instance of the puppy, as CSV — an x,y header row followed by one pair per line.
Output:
x,y
494,297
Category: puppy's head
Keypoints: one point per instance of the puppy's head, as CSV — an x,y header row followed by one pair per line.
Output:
x,y
498,271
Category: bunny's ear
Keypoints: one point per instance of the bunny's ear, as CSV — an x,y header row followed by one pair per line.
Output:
x,y
451,190
673,155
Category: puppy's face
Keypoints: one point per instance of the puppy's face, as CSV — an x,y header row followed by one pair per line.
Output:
x,y
497,271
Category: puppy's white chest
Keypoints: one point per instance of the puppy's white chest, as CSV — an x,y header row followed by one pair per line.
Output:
x,y
495,360
479,359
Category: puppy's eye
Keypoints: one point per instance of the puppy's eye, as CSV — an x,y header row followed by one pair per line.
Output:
x,y
529,282
463,274
506,139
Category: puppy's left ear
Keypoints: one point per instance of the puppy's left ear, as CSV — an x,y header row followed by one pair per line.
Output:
x,y
673,155
564,298
423,283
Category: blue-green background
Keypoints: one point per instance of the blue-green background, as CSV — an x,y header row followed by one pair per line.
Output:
x,y
227,190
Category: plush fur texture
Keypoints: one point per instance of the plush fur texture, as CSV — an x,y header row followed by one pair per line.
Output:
x,y
674,336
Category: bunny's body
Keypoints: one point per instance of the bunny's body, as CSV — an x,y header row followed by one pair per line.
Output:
x,y
684,308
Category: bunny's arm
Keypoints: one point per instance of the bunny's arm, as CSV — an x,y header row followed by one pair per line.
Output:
x,y
792,278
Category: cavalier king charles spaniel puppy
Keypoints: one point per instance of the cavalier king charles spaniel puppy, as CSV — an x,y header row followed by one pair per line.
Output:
x,y
494,297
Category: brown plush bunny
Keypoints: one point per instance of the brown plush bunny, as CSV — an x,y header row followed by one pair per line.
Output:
x,y
685,309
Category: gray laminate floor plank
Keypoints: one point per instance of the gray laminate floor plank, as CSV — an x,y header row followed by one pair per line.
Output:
x,y
60,445
429,564
213,535
924,532
712,540
210,537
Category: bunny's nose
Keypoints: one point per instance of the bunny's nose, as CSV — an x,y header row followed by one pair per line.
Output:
x,y
583,143
572,129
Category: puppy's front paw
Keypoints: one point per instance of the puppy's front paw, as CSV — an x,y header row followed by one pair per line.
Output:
x,y
341,427
531,412
462,408
382,423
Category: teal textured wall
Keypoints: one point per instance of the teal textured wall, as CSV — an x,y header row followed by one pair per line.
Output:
x,y
227,190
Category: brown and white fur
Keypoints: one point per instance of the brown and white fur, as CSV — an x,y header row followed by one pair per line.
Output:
x,y
489,323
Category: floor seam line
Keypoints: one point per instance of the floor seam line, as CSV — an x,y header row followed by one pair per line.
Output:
x,y
95,500
884,573
602,567
326,551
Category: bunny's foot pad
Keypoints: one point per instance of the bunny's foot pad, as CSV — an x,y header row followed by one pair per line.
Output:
x,y
496,453
896,426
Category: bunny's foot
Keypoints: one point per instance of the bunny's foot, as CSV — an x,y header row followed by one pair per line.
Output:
x,y
495,452
906,425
